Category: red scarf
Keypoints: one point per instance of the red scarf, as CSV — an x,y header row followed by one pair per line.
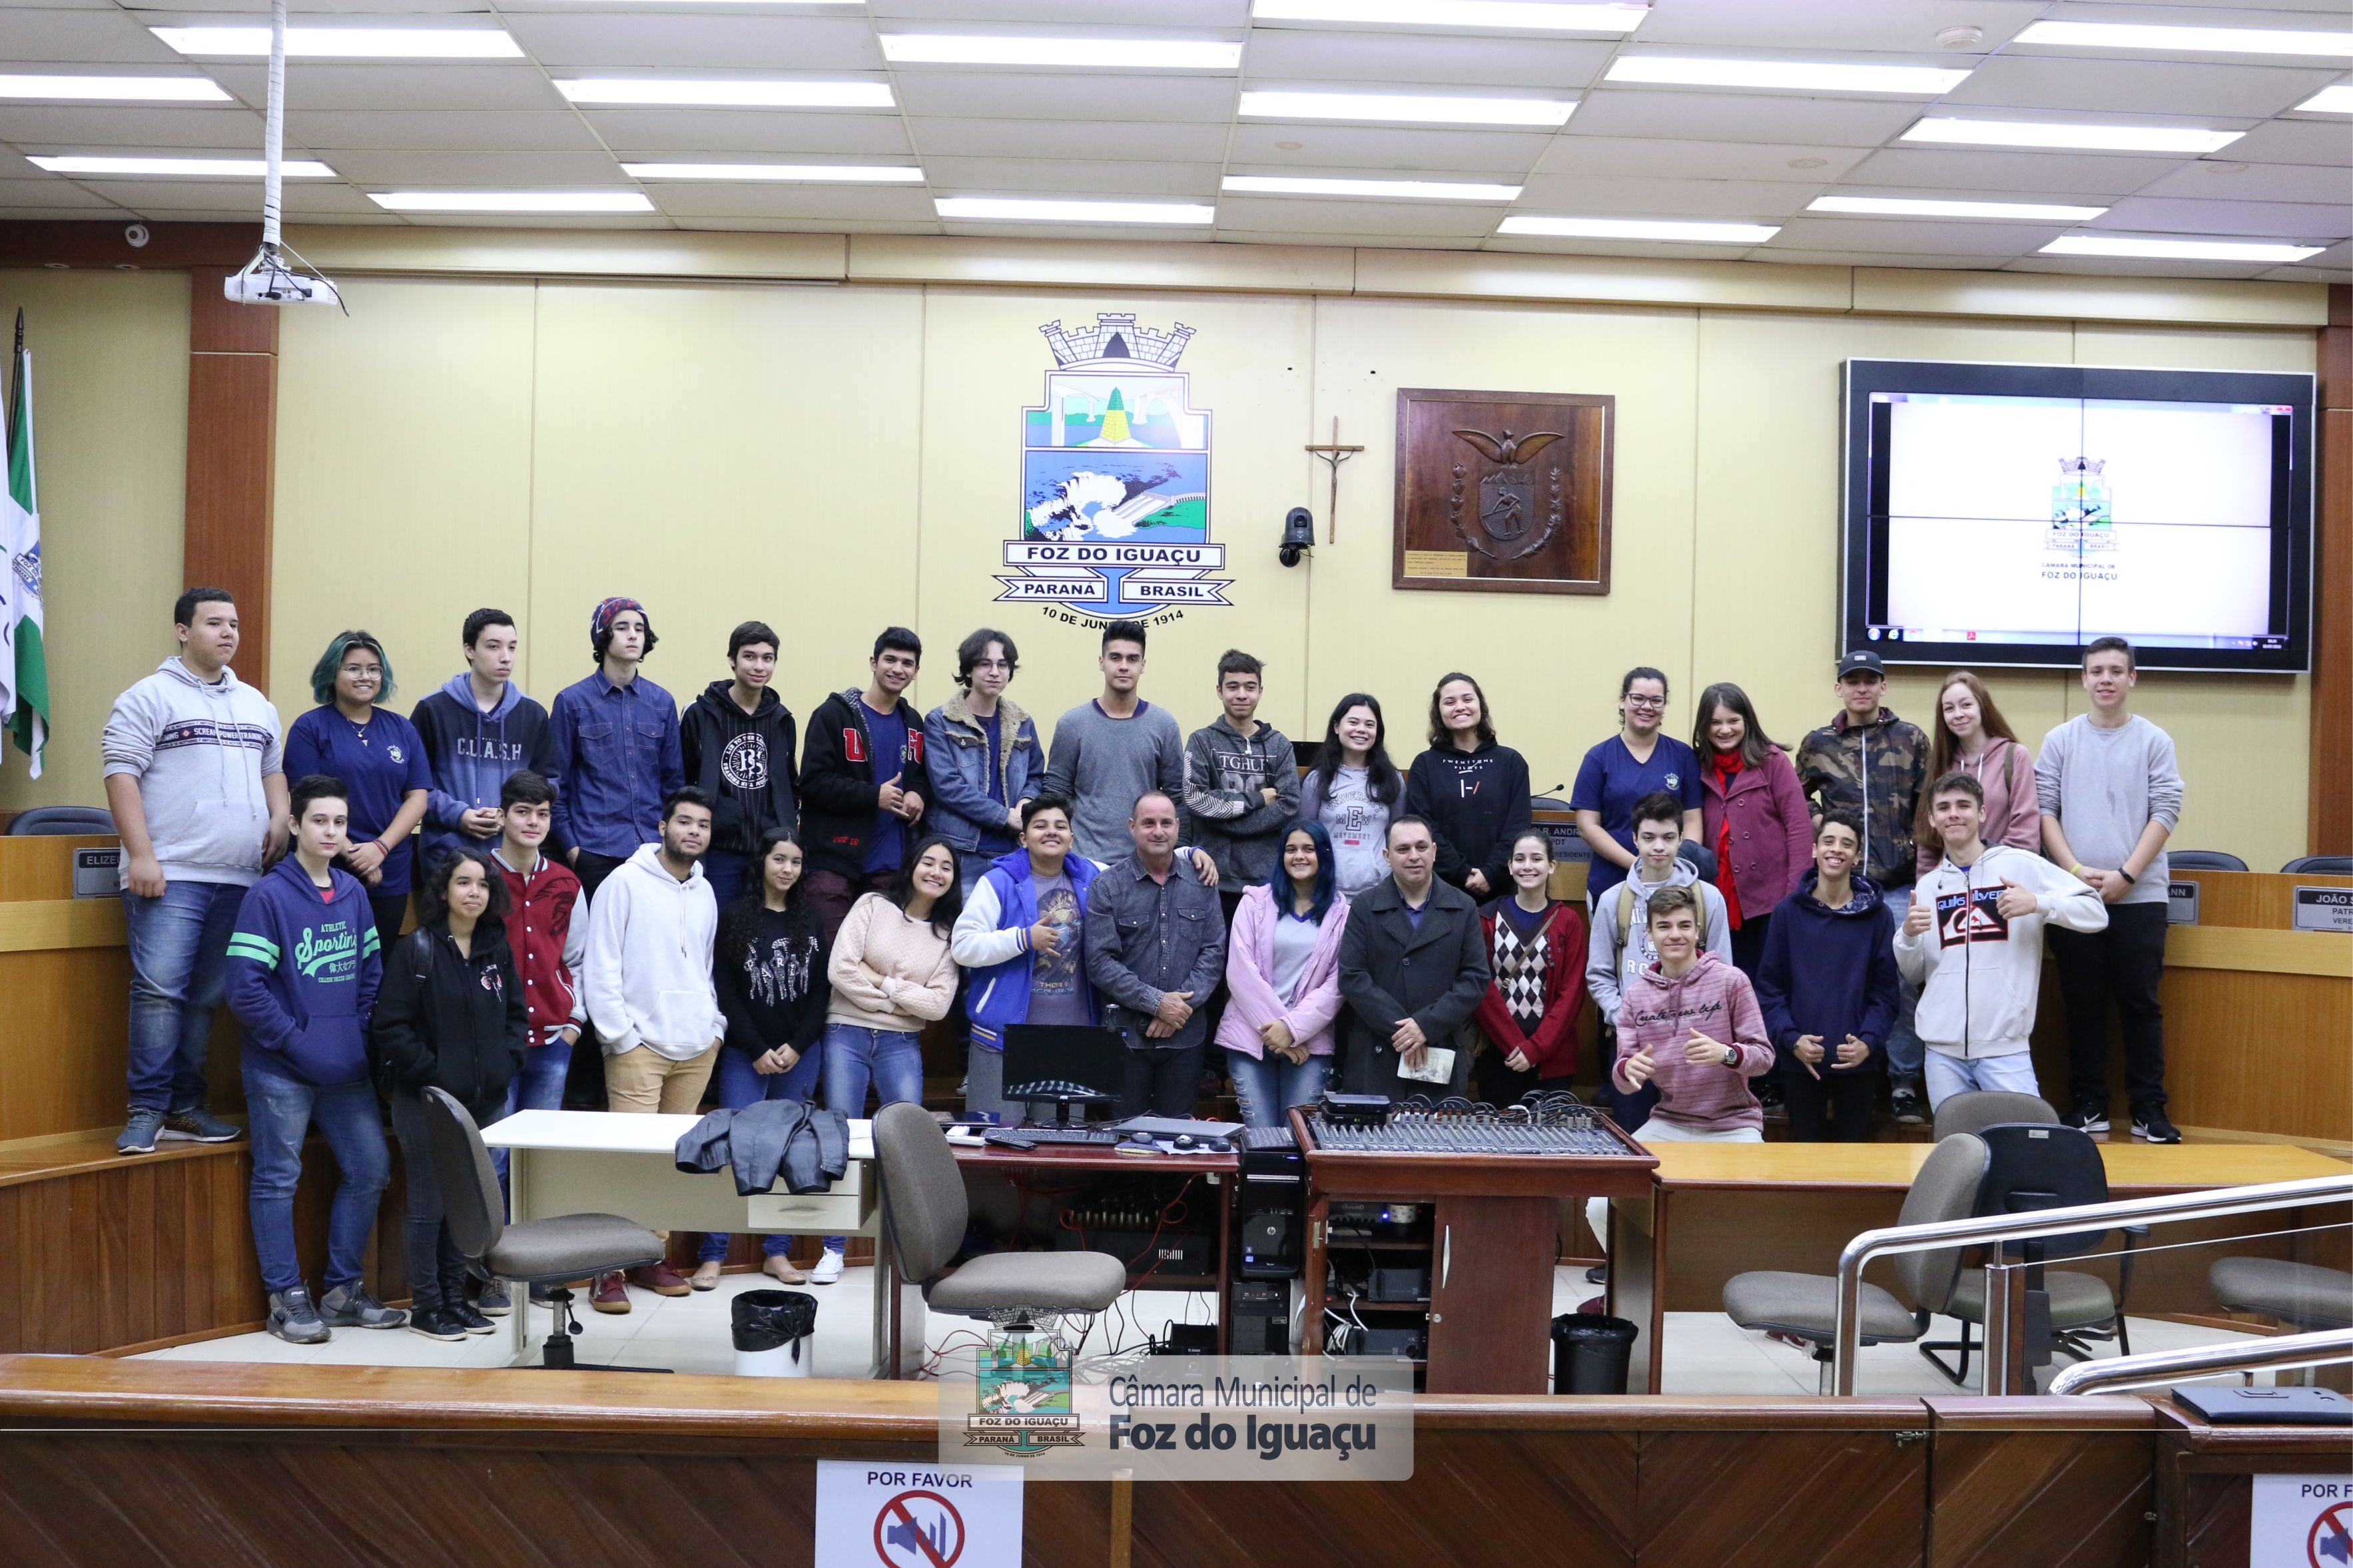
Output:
x,y
1727,768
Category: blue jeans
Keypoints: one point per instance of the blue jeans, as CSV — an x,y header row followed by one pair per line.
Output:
x,y
538,1087
179,968
737,1085
890,1059
724,870
1904,1050
280,1113
1265,1087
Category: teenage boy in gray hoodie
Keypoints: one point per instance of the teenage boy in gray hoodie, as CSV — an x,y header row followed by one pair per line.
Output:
x,y
1241,783
1619,947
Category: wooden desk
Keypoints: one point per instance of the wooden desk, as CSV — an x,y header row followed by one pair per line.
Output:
x,y
1720,1209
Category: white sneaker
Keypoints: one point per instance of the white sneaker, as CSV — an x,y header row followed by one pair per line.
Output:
x,y
829,1268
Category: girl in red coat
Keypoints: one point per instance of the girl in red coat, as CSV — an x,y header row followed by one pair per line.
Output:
x,y
1536,945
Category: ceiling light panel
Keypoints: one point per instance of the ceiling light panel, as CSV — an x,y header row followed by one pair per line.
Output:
x,y
812,173
2338,99
1409,190
1641,228
512,201
1916,206
1416,108
2178,249
1519,15
2186,141
113,88
346,43
186,168
720,93
1013,49
2179,40
994,209
1787,76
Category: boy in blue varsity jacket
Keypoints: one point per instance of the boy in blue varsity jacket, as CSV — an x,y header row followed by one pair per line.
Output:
x,y
303,973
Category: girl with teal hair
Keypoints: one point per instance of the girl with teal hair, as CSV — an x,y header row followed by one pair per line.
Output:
x,y
378,756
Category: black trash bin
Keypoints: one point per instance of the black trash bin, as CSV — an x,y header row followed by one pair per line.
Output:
x,y
772,1333
1590,1354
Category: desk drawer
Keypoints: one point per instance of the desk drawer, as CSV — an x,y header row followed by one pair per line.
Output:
x,y
837,1212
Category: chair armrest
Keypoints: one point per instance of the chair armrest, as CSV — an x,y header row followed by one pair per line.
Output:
x,y
2133,1235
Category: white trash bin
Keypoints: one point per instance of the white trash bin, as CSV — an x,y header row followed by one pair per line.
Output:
x,y
775,1333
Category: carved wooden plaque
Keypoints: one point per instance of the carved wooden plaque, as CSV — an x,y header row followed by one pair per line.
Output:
x,y
1503,491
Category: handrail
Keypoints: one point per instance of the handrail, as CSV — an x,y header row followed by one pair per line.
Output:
x,y
2210,1202
2281,1350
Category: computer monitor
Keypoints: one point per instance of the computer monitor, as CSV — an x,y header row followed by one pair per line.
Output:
x,y
1063,1065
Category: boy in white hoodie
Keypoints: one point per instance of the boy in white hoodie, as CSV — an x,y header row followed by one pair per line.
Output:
x,y
1973,942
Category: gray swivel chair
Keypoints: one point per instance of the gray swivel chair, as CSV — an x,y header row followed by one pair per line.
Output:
x,y
62,821
1974,1110
924,1212
2320,866
2304,1296
2203,860
548,1252
1805,1305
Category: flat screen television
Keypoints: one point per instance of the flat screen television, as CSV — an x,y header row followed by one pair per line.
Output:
x,y
2007,514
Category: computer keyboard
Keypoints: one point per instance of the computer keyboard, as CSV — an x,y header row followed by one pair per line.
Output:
x,y
1077,1135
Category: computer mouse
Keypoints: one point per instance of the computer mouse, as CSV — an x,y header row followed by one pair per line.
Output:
x,y
1142,1138
1186,1141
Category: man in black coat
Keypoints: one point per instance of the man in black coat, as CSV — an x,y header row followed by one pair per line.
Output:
x,y
1413,964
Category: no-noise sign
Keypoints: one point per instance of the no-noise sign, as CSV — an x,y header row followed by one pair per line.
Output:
x,y
879,1515
2301,1521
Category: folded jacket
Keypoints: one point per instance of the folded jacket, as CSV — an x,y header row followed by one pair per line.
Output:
x,y
807,1145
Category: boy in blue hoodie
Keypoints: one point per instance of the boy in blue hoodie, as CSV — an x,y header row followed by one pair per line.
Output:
x,y
1020,937
303,973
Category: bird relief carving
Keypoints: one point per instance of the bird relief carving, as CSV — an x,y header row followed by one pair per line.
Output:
x,y
1506,524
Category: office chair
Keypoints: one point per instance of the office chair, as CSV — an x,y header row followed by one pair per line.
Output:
x,y
2304,1296
2320,866
549,1252
1805,1305
1974,1110
60,821
2203,860
2029,1168
924,1212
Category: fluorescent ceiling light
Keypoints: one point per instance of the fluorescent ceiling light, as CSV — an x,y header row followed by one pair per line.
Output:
x,y
839,173
1641,228
197,168
349,43
1798,76
972,209
1425,190
2075,137
712,92
512,201
1909,206
2338,99
160,89
1415,108
1002,50
2181,249
1529,15
2187,40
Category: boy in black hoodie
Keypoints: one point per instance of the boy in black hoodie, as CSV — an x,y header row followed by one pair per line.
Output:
x,y
737,739
860,817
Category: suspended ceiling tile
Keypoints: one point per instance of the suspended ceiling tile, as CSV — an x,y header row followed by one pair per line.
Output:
x,y
101,38
1379,149
119,125
1635,157
1979,169
2325,141
1164,141
698,199
230,196
1651,250
1842,25
2137,87
750,132
1180,17
491,130
1574,195
810,226
1010,176
1309,215
1740,117
1949,260
2303,222
16,193
547,220
506,170
1018,95
764,41
2208,181
405,85
1354,241
1200,234
2130,267
1898,235
1488,63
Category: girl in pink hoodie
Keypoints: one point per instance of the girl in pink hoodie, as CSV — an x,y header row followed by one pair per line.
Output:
x,y
1282,981
1690,1024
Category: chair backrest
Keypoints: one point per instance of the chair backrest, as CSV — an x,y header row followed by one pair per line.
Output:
x,y
924,1203
1974,1110
57,821
2203,860
2032,1168
2321,865
1946,1188
462,1168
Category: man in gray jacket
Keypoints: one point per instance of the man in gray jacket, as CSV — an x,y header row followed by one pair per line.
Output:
x,y
1155,946
1241,783
1413,964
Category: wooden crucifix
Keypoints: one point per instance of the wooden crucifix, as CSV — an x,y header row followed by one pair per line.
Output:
x,y
1334,455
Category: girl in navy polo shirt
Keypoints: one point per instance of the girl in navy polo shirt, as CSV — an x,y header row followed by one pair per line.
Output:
x,y
378,756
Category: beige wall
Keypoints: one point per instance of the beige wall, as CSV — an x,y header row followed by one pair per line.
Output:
x,y
111,420
834,457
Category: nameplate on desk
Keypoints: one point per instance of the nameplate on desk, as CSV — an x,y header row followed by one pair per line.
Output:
x,y
2324,909
96,873
2181,903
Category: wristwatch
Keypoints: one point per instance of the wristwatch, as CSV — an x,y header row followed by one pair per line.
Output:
x,y
1732,1056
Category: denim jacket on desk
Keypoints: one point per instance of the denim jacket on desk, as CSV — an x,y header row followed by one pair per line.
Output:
x,y
956,749
617,750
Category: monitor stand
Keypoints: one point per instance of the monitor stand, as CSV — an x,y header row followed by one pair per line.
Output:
x,y
1062,1104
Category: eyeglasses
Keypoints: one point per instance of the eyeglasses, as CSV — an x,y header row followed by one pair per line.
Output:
x,y
1646,702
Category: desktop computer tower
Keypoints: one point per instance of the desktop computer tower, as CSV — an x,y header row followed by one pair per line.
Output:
x,y
1270,1214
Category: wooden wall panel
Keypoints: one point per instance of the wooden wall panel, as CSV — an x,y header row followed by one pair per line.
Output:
x,y
232,459
2330,807
1782,1500
2056,1500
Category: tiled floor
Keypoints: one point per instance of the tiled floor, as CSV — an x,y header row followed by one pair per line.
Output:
x,y
1706,1353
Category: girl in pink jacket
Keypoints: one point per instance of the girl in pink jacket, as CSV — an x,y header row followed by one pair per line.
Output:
x,y
1282,980
1970,736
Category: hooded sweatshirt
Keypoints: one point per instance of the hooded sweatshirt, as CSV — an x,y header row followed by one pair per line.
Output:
x,y
1225,773
449,1020
1658,1014
1618,951
992,941
1312,1010
746,762
472,753
1980,971
302,974
1830,972
1475,802
1876,770
648,974
199,750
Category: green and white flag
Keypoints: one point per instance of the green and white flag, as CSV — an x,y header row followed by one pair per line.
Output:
x,y
24,660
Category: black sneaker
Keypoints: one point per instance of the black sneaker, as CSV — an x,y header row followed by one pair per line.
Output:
x,y
2150,1124
294,1320
351,1307
473,1322
2091,1115
437,1323
1904,1102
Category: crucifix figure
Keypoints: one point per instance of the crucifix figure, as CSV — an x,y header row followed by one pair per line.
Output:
x,y
1333,454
